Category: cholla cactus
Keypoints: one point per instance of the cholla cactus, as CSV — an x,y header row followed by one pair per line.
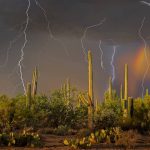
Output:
x,y
66,90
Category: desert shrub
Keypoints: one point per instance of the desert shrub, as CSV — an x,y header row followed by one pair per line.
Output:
x,y
141,117
20,139
60,112
36,116
128,139
40,109
7,111
109,135
81,117
108,115
23,116
113,98
61,130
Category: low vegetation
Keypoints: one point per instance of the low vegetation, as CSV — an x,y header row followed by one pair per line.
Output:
x,y
56,115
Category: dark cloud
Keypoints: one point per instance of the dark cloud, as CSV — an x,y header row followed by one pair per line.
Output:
x,y
68,19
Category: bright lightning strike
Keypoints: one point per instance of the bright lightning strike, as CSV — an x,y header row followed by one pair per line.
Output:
x,y
49,27
24,45
100,48
112,63
145,52
84,36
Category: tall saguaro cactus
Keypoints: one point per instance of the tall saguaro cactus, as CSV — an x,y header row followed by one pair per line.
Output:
x,y
34,82
126,83
130,107
121,92
90,92
110,88
147,93
28,96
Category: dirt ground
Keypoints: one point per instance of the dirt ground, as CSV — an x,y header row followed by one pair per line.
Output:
x,y
53,142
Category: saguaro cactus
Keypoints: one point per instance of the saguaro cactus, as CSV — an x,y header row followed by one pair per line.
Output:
x,y
34,82
90,92
126,83
28,96
147,93
96,105
110,88
66,90
121,92
130,107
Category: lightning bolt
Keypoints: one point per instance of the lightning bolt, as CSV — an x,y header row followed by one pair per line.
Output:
x,y
20,62
49,27
11,43
145,3
145,52
100,48
84,36
112,63
112,59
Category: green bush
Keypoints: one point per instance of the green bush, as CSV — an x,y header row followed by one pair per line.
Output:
x,y
141,117
61,130
108,115
110,135
20,139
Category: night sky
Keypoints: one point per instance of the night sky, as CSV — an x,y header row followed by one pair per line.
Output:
x,y
61,56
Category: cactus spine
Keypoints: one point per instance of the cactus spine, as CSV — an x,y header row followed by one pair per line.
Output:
x,y
28,96
34,82
90,92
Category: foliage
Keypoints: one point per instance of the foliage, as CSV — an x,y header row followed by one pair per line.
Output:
x,y
7,110
61,130
110,135
38,111
141,117
128,139
62,113
108,114
20,139
113,97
